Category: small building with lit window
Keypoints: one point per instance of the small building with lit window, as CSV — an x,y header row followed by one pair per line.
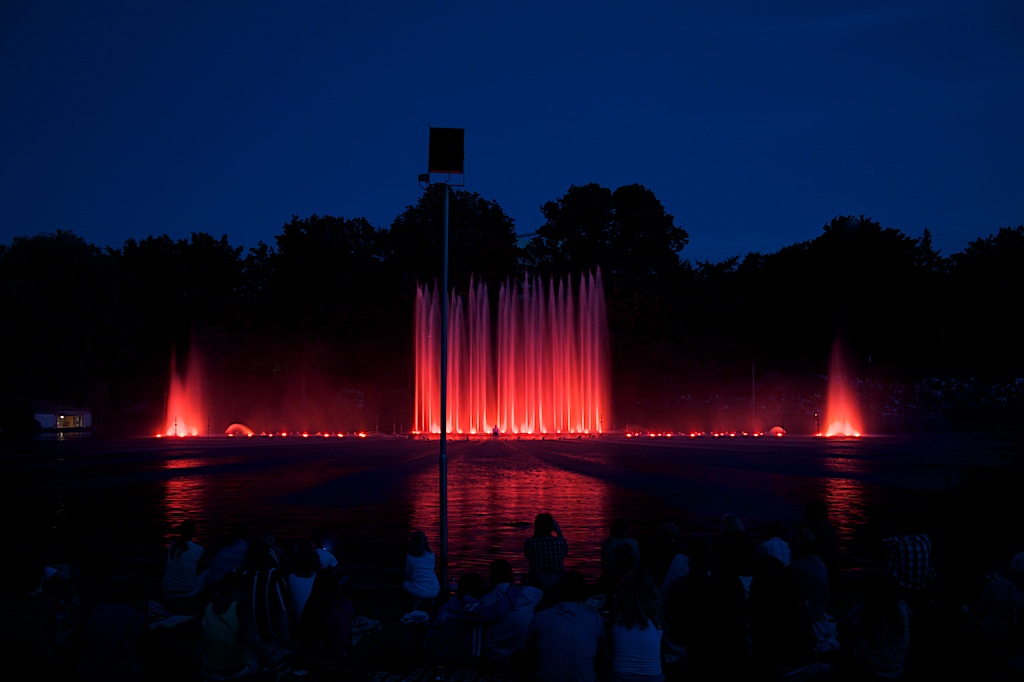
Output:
x,y
60,418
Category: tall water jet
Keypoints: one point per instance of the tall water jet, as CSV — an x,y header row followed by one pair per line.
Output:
x,y
185,408
543,370
842,415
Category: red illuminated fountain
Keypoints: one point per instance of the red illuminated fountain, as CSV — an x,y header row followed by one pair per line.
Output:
x,y
843,414
543,372
185,410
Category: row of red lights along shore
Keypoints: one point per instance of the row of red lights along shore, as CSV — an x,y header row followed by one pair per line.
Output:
x,y
703,434
629,434
280,434
726,434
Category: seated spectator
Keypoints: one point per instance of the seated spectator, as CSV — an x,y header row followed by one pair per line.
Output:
x,y
300,580
997,619
775,546
111,636
620,554
228,637
680,567
507,635
230,554
659,553
732,551
269,601
545,552
810,577
181,572
324,547
568,637
456,635
682,594
706,616
277,554
637,618
909,561
880,629
325,628
781,634
420,577
28,618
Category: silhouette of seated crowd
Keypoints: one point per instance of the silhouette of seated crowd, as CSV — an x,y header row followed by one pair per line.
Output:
x,y
733,604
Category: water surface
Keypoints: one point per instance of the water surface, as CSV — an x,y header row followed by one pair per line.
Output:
x,y
114,504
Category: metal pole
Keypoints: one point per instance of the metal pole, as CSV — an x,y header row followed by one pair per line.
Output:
x,y
443,463
753,403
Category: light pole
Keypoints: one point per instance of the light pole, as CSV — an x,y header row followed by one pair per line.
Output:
x,y
445,157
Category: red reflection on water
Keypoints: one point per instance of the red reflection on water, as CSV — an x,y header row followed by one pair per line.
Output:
x,y
185,495
845,499
185,411
843,414
545,370
491,513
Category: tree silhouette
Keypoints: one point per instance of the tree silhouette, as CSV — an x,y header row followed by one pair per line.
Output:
x,y
481,241
66,330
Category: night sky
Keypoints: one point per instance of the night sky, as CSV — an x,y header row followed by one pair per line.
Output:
x,y
754,123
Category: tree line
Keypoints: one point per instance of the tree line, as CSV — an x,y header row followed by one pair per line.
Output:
x,y
324,316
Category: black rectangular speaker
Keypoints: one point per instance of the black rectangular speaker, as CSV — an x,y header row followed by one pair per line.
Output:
x,y
447,150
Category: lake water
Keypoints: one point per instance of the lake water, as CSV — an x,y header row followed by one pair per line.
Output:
x,y
112,506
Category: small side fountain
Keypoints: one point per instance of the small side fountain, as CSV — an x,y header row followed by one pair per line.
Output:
x,y
842,415
185,407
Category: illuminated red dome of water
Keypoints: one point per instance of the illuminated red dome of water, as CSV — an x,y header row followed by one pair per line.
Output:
x,y
843,414
544,371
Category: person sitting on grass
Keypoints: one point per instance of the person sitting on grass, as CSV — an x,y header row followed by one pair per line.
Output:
x,y
637,621
325,627
300,581
420,577
566,639
181,572
228,636
506,636
546,552
268,596
456,635
880,629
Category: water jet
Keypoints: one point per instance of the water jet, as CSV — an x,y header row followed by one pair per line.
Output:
x,y
543,370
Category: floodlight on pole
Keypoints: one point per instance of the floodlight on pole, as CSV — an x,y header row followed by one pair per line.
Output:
x,y
445,157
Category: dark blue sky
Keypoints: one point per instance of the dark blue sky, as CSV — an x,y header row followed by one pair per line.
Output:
x,y
753,122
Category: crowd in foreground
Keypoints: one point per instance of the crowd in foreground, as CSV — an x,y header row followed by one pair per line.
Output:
x,y
729,605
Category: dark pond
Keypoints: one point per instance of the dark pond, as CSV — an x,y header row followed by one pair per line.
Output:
x,y
112,505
